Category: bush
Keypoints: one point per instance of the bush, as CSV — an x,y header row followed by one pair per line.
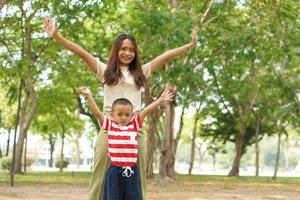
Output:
x,y
65,164
5,162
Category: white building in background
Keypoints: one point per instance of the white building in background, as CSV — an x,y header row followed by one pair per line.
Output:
x,y
38,149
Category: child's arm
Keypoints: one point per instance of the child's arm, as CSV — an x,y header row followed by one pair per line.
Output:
x,y
50,28
96,111
167,95
158,61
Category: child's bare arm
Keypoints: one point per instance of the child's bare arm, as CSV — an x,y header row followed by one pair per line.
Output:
x,y
167,95
50,27
96,111
163,58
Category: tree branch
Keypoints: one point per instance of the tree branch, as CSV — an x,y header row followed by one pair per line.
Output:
x,y
2,3
206,12
80,106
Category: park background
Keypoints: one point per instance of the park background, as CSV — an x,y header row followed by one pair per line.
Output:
x,y
237,93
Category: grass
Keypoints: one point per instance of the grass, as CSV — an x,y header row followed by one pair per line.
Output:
x,y
237,180
78,178
82,178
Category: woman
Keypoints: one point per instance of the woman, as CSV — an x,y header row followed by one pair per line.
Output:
x,y
123,77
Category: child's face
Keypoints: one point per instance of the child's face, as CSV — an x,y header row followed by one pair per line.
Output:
x,y
126,53
122,114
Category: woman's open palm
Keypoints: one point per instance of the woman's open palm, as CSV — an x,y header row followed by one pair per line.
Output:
x,y
49,26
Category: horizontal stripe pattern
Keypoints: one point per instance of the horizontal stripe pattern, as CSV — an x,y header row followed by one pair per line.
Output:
x,y
123,146
122,142
112,150
130,141
125,133
116,127
119,155
118,159
119,137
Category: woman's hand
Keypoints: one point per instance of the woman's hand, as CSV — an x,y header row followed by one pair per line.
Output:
x,y
195,35
50,27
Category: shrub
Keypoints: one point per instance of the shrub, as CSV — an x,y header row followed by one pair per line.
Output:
x,y
65,164
5,162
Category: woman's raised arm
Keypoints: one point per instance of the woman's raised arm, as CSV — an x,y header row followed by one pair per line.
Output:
x,y
50,28
163,58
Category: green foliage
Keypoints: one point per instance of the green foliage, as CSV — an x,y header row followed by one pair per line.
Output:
x,y
64,164
80,178
245,49
5,163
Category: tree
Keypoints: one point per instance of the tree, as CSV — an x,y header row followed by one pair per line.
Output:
x,y
194,132
243,71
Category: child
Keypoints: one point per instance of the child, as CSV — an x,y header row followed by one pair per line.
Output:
x,y
122,179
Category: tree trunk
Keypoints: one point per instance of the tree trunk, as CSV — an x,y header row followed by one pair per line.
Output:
x,y
12,166
51,140
151,141
2,3
7,143
25,120
77,146
214,158
243,111
153,120
172,3
257,146
178,135
62,149
277,157
167,158
238,154
1,155
25,154
201,154
156,159
26,111
193,145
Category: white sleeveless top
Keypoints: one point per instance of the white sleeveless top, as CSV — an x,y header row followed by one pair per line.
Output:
x,y
125,88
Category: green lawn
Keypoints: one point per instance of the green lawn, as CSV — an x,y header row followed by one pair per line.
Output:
x,y
240,179
78,178
82,178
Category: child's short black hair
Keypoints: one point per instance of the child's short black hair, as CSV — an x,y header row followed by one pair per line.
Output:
x,y
121,101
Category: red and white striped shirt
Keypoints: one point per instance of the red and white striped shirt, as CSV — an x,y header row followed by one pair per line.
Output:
x,y
122,141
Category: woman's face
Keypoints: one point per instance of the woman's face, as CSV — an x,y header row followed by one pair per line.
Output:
x,y
126,53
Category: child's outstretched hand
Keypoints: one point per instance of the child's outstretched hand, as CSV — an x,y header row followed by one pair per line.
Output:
x,y
85,91
195,35
50,27
167,95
